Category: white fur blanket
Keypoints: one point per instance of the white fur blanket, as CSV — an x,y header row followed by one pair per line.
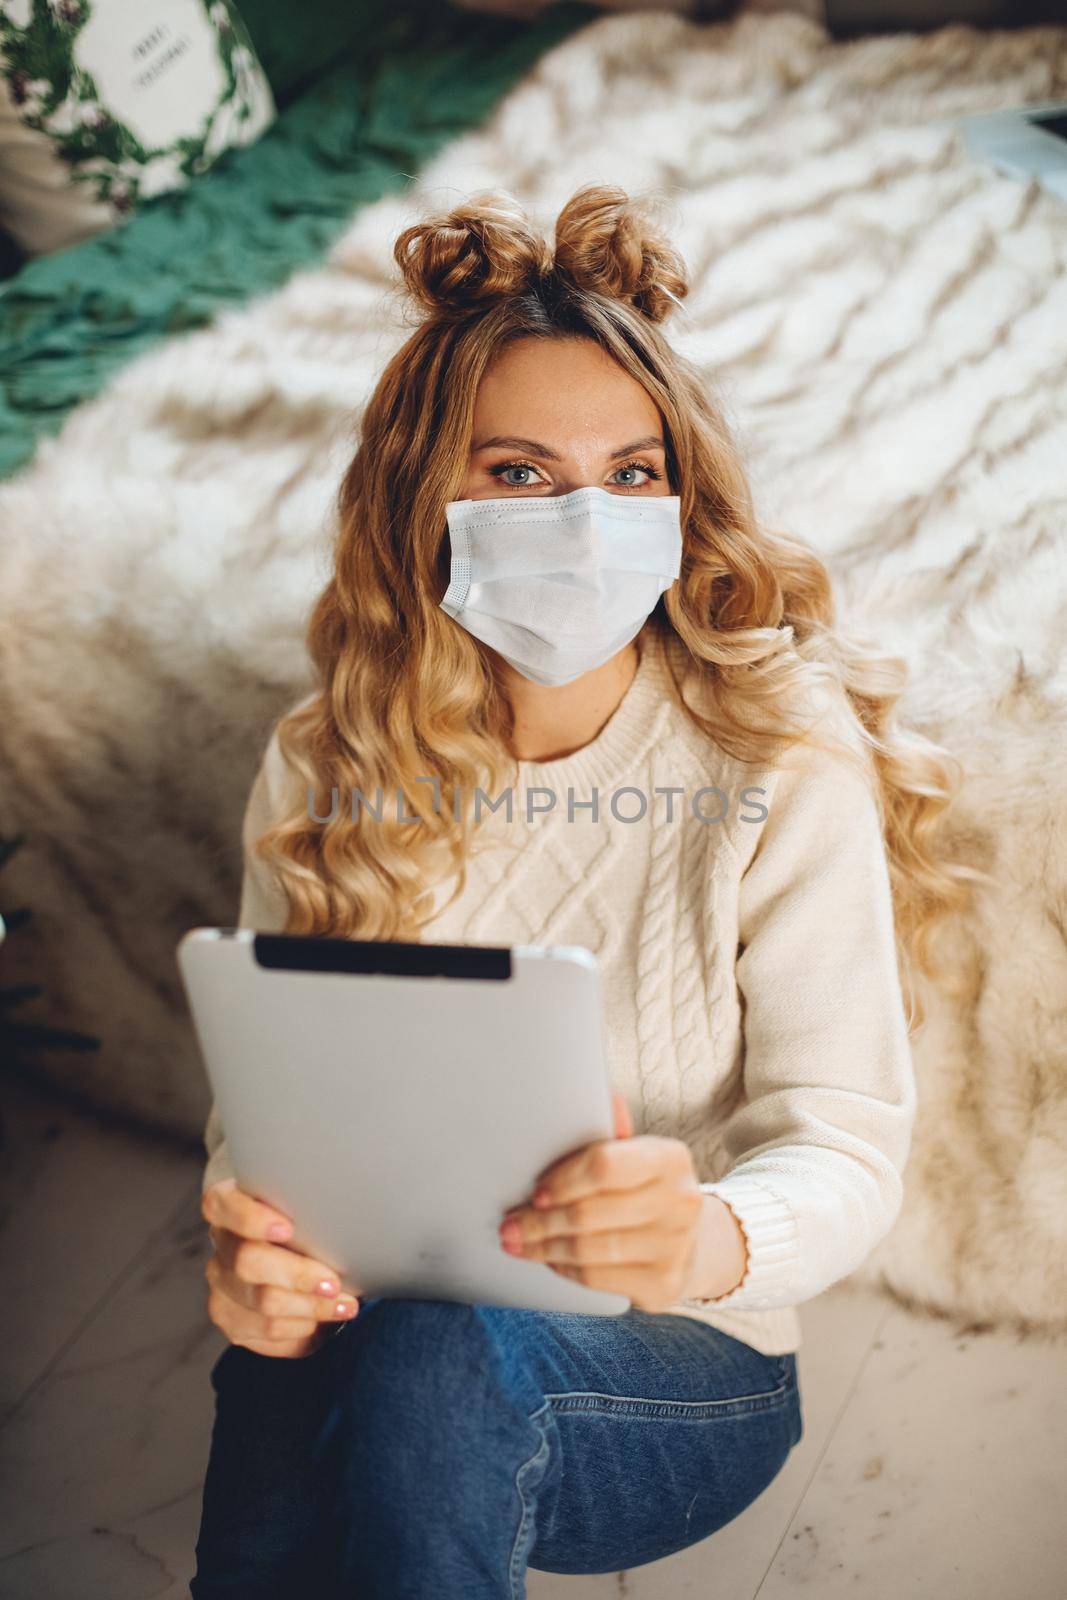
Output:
x,y
889,324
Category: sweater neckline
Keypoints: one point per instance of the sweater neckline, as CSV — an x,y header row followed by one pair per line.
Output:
x,y
625,736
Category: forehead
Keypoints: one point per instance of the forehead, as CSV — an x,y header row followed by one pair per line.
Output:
x,y
552,387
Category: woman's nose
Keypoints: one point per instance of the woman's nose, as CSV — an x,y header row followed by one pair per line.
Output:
x,y
569,482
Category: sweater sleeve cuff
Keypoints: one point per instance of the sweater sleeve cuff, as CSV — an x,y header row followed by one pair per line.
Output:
x,y
772,1241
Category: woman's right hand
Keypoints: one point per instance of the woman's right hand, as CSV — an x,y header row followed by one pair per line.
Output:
x,y
274,1300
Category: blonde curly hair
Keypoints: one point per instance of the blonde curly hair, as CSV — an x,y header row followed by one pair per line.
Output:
x,y
406,694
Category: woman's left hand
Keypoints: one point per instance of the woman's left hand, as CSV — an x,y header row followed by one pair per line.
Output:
x,y
626,1215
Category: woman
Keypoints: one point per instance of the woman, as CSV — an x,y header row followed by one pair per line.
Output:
x,y
612,620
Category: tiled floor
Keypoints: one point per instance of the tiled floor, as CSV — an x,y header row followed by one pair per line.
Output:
x,y
933,1461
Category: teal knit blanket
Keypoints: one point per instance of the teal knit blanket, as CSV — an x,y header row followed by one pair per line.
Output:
x,y
366,127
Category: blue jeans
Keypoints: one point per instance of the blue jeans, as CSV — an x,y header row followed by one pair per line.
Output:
x,y
432,1450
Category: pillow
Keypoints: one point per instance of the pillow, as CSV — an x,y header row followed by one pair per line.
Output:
x,y
105,103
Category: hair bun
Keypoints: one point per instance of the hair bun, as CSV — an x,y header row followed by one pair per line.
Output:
x,y
611,243
476,252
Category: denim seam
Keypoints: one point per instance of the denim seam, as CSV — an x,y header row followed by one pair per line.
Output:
x,y
598,1394
628,1405
536,1460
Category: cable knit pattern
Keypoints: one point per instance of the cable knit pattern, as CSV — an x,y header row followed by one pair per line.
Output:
x,y
752,1005
656,956
692,995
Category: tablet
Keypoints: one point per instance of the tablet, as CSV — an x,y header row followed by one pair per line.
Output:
x,y
395,1099
1023,141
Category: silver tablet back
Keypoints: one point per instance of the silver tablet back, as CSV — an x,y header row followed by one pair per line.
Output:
x,y
394,1099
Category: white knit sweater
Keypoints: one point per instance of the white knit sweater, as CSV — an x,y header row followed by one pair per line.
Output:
x,y
752,998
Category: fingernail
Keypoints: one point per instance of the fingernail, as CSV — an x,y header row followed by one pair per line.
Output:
x,y
327,1287
541,1196
279,1230
346,1308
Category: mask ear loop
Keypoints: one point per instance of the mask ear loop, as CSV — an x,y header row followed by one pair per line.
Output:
x,y
672,296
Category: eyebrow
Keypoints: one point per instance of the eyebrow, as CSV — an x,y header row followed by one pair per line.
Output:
x,y
651,441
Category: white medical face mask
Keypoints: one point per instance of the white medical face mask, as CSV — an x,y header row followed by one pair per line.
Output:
x,y
558,584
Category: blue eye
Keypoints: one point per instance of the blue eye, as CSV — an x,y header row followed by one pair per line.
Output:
x,y
634,466
514,466
499,471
